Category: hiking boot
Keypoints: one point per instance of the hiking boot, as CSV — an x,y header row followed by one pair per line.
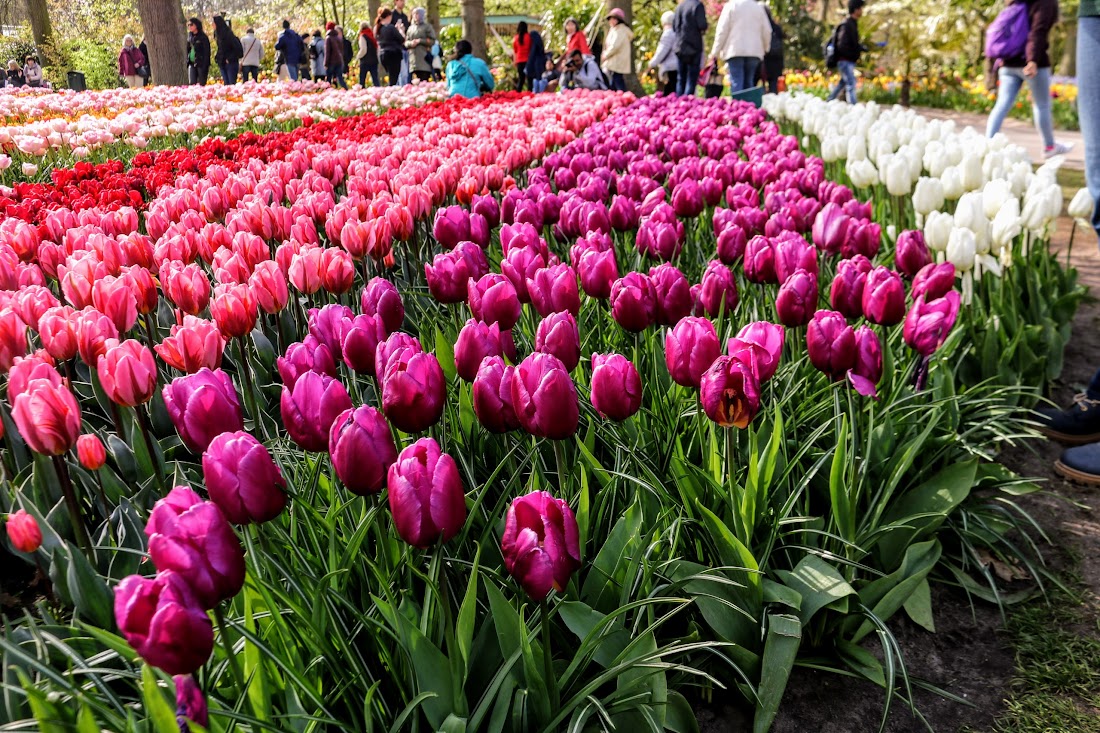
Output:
x,y
1077,424
1080,465
1057,149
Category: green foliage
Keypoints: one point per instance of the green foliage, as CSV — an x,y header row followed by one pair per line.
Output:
x,y
97,60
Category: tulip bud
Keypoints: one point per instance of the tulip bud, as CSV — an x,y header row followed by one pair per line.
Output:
x,y
195,344
310,406
161,619
191,537
23,532
928,324
731,244
242,479
234,310
380,298
598,272
729,393
545,398
127,372
633,302
47,416
447,277
426,496
90,451
831,344
476,341
190,704
1081,207
268,287
13,338
362,449
558,334
867,371
672,293
202,406
759,345
616,386
493,299
911,253
797,299
719,292
553,289
846,293
305,356
759,261
884,297
933,281
541,543
414,390
492,396
691,346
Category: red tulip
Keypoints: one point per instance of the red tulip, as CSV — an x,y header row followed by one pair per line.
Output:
x,y
191,537
616,386
541,543
493,299
545,398
310,406
633,302
23,532
161,619
233,310
414,391
846,292
867,371
558,334
719,292
759,345
492,396
797,299
90,451
476,341
127,372
191,346
672,293
884,297
202,406
729,393
928,324
47,417
831,343
426,496
380,298
242,479
362,449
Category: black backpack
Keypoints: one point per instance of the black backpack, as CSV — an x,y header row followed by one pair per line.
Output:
x,y
830,49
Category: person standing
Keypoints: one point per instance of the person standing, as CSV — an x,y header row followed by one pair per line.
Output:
x,y
290,44
1088,96
773,57
317,56
536,61
467,75
617,50
198,53
229,51
145,53
689,23
419,41
1018,60
252,52
664,62
391,45
848,49
575,40
521,54
349,53
367,55
15,74
741,39
401,23
334,57
130,62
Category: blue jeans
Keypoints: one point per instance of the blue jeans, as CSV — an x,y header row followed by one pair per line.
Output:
x,y
229,72
742,72
618,82
404,77
335,77
539,85
1088,105
847,81
292,71
1009,83
687,76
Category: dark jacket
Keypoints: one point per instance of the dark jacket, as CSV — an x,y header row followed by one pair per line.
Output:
x,y
390,39
1041,16
290,43
848,47
689,24
198,50
400,20
536,59
229,46
334,50
776,48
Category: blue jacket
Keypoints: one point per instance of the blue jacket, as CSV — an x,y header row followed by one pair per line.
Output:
x,y
290,43
464,75
536,59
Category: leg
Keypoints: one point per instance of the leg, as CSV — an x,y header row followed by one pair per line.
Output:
x,y
848,72
362,74
1088,107
751,67
204,75
670,85
1040,105
292,71
374,76
1008,86
736,68
618,82
192,75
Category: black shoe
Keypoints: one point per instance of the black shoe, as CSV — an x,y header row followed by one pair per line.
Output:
x,y
1077,424
1081,464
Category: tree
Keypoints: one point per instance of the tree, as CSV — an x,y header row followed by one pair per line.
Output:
x,y
165,26
39,16
433,14
473,26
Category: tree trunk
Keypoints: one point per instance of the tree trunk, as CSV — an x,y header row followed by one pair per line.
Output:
x,y
433,15
373,6
41,27
165,31
473,26
1068,65
633,84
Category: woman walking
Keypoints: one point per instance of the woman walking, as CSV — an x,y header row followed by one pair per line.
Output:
x,y
317,56
130,61
198,53
617,50
334,56
521,53
1018,60
419,40
229,50
391,44
368,55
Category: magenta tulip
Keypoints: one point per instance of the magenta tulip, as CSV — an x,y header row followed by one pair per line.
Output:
x,y
864,237
672,293
911,253
867,371
541,544
687,199
493,299
831,343
452,225
732,241
730,393
759,345
691,346
830,229
426,496
846,292
598,272
719,291
310,407
160,618
447,277
202,406
190,703
792,253
633,302
616,386
928,324
884,297
242,479
558,334
398,341
553,289
362,449
933,281
623,214
545,398
380,298
797,299
519,264
492,396
308,355
359,339
327,323
476,341
760,261
414,391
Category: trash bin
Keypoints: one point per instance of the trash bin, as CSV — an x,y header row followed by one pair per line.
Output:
x,y
76,81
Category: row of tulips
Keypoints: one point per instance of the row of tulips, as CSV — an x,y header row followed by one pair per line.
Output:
x,y
574,264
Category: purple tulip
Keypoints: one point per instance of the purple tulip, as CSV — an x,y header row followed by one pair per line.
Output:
x,y
326,325
190,703
792,252
846,293
447,277
687,199
933,281
760,261
162,621
414,391
729,393
616,386
493,299
426,496
554,289
397,341
830,229
732,241
545,398
884,297
541,544
598,273
672,292
719,290
797,299
380,298
518,265
191,537
623,214
476,341
492,396
242,479
633,302
864,237
362,449
308,355
558,334
759,345
202,406
831,343
475,258
691,346
310,407
867,371
452,225
488,208
359,339
911,254
928,324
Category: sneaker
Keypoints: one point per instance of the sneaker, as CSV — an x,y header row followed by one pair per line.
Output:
x,y
1057,149
1077,424
1080,465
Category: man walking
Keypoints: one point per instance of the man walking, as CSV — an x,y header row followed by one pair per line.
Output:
x,y
290,43
848,49
689,24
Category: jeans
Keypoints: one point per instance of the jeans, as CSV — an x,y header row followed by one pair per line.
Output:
x,y
1009,83
403,78
688,75
372,70
229,72
742,73
335,77
292,70
618,82
847,81
538,86
253,71
1088,105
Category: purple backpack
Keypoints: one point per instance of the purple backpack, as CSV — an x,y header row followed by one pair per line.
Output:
x,y
1006,36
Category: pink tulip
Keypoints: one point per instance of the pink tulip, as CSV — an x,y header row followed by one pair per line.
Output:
x,y
305,356
426,496
362,449
397,342
47,416
414,391
760,261
127,372
545,398
846,292
759,345
729,393
933,281
493,299
447,277
598,273
242,479
13,338
616,386
193,345
911,253
310,406
553,289
541,544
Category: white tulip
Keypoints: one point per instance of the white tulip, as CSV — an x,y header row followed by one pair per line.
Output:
x,y
961,249
928,196
1020,177
937,230
862,172
994,195
971,168
898,182
1034,213
1007,224
952,183
935,159
989,263
857,148
1082,206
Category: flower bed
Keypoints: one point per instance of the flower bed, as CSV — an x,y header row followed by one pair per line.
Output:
x,y
533,412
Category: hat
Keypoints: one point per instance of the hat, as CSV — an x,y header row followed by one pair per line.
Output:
x,y
619,15
854,5
332,26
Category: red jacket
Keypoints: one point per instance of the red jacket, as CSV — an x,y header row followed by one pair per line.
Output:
x,y
521,51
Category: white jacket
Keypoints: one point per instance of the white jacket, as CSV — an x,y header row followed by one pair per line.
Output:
x,y
616,50
743,30
253,50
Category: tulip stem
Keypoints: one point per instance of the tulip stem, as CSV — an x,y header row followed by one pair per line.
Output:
x,y
150,445
71,504
150,330
559,457
231,656
246,377
548,658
